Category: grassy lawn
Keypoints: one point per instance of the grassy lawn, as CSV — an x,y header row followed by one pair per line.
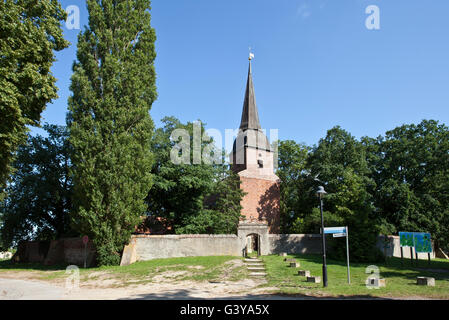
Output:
x,y
400,280
220,268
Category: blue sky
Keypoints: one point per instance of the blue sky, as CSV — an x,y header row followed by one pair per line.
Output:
x,y
316,64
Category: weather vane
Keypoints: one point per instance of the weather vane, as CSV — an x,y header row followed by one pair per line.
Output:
x,y
251,55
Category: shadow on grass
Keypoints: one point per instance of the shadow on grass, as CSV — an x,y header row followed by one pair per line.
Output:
x,y
392,263
186,294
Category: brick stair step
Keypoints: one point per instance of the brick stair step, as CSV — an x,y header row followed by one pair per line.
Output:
x,y
252,260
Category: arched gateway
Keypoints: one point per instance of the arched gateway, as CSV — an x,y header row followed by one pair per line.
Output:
x,y
258,229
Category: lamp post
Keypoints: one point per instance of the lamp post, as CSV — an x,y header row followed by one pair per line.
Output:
x,y
320,193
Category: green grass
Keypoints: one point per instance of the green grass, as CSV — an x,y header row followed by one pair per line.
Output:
x,y
188,268
400,280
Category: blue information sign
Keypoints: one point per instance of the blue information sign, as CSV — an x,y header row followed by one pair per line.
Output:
x,y
334,230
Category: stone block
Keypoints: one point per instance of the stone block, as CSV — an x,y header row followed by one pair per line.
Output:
x,y
289,260
304,273
425,281
129,255
294,265
283,254
314,279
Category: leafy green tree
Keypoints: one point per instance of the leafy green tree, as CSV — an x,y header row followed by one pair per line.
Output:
x,y
292,172
113,87
30,32
340,161
39,195
411,168
192,198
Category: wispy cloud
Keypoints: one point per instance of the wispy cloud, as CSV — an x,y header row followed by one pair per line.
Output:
x,y
304,11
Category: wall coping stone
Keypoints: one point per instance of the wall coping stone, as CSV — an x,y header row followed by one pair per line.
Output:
x,y
183,236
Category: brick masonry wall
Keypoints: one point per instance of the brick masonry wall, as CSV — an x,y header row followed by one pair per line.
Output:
x,y
63,251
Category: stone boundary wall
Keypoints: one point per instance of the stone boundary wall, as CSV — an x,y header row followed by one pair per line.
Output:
x,y
295,243
148,247
63,251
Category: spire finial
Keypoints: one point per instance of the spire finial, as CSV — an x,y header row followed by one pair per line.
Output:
x,y
251,55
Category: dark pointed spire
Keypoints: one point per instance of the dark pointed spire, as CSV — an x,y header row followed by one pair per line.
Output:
x,y
250,116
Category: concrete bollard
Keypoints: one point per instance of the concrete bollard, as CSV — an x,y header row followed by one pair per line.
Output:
x,y
314,279
294,265
378,282
283,254
425,281
304,273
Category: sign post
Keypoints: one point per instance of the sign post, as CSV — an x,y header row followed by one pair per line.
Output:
x,y
347,253
338,232
85,241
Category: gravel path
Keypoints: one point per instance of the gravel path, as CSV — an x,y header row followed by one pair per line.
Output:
x,y
13,289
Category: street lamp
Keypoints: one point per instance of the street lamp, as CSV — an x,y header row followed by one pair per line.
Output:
x,y
320,193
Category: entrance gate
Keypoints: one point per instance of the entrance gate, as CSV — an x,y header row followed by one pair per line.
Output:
x,y
253,236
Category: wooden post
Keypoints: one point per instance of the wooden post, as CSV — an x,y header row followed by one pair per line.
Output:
x,y
402,256
416,257
428,256
411,255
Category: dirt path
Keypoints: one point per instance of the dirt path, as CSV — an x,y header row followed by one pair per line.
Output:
x,y
30,289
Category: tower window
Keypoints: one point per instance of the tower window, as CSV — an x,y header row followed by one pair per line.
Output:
x,y
260,163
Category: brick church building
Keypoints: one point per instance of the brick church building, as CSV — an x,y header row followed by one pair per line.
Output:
x,y
252,158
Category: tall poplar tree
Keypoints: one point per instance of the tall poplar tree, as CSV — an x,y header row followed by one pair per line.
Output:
x,y
30,32
113,87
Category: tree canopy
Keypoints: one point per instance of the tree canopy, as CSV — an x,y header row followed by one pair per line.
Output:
x,y
30,32
39,194
113,85
382,185
192,198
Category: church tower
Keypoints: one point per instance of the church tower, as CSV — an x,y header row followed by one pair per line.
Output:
x,y
252,159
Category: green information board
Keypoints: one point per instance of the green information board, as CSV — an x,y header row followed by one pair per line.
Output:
x,y
419,240
422,242
406,239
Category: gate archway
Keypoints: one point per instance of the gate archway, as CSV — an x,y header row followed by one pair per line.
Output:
x,y
253,237
253,244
